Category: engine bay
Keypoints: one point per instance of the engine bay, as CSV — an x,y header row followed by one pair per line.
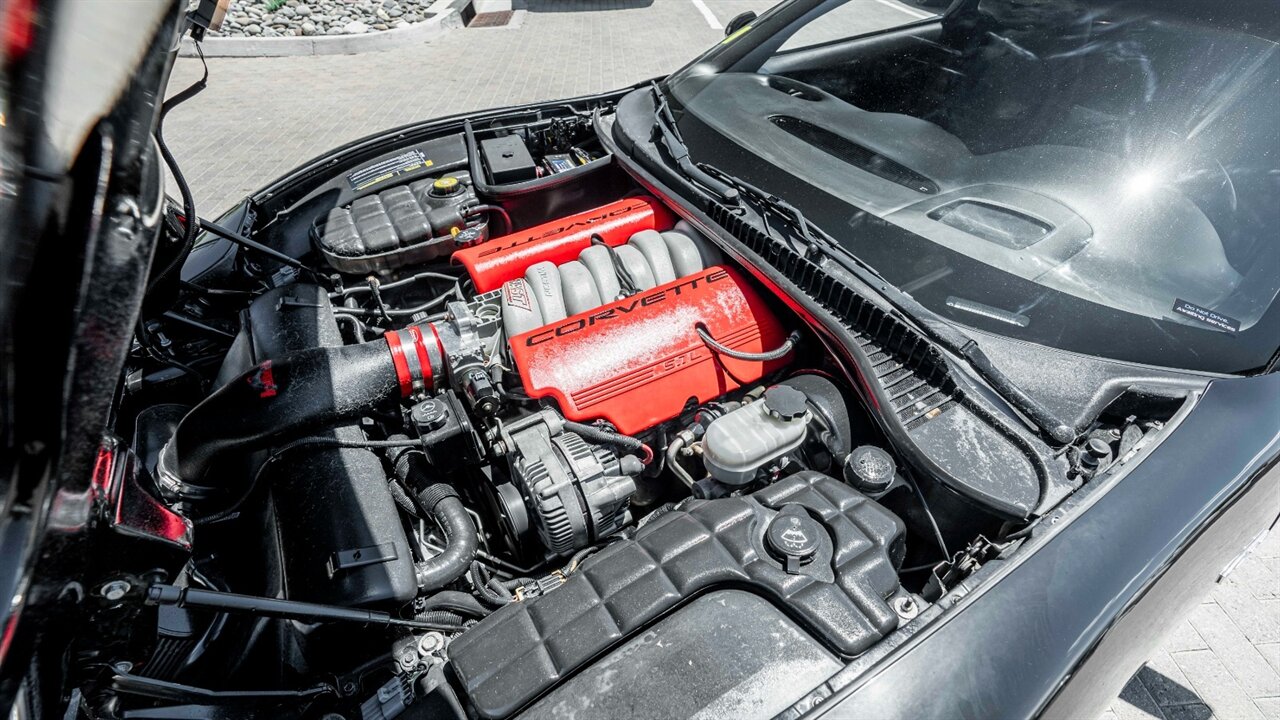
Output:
x,y
506,415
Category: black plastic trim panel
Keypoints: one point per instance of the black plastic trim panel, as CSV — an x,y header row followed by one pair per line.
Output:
x,y
912,373
916,383
526,648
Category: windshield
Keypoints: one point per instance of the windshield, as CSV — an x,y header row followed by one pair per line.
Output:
x,y
1102,177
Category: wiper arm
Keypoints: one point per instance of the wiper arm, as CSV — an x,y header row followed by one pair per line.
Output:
x,y
937,328
669,136
957,341
816,238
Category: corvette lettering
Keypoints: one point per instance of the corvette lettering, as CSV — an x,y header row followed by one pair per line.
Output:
x,y
619,310
560,230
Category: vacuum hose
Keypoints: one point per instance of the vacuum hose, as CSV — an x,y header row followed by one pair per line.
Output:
x,y
775,354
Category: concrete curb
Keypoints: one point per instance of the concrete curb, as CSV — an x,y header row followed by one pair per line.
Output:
x,y
447,15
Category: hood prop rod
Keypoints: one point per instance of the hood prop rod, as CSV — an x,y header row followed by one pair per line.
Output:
x,y
243,241
160,594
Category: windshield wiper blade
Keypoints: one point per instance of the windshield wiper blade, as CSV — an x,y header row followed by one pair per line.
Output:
x,y
669,136
938,329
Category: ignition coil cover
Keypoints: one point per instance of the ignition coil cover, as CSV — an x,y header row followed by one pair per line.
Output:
x,y
508,257
636,362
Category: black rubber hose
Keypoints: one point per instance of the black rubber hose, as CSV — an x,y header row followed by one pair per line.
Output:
x,y
604,437
457,602
439,617
513,583
494,210
462,541
583,554
406,462
487,594
775,354
402,499
495,586
441,502
278,400
190,220
625,442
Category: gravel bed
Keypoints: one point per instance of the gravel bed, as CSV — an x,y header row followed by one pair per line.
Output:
x,y
252,18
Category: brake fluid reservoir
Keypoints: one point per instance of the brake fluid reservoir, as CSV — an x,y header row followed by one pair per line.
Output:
x,y
739,443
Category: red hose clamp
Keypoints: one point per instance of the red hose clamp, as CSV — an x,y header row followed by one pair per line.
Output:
x,y
417,362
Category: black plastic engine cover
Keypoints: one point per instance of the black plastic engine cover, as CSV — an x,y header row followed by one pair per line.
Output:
x,y
840,596
726,654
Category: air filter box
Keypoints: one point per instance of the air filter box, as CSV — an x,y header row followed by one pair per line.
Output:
x,y
841,596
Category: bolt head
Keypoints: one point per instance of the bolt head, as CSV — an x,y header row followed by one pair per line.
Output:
x,y
430,642
1098,448
906,608
115,590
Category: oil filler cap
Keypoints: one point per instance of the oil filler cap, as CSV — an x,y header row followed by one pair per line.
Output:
x,y
793,538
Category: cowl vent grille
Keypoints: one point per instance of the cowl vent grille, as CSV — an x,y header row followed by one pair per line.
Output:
x,y
909,369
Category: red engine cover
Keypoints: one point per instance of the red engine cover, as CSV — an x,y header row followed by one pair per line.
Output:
x,y
637,362
492,263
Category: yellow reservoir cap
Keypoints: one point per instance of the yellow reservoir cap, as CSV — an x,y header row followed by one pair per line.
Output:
x,y
445,184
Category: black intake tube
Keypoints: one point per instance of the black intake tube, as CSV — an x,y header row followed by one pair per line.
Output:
x,y
276,401
461,539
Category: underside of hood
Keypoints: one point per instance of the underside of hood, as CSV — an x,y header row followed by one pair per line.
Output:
x,y
79,214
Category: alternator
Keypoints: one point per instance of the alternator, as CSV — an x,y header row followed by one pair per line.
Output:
x,y
574,493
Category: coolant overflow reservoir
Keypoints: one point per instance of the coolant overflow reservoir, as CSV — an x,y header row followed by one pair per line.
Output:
x,y
738,444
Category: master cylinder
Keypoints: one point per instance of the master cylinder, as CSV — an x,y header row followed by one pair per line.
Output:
x,y
737,445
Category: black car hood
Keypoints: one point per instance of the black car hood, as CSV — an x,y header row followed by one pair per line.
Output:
x,y
80,214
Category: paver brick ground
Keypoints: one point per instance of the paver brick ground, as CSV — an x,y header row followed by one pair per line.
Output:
x,y
262,117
